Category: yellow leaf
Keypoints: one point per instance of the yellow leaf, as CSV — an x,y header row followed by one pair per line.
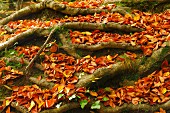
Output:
x,y
7,102
163,90
149,36
86,33
109,57
155,23
67,73
136,17
60,88
132,43
2,33
24,29
155,99
88,56
166,74
32,105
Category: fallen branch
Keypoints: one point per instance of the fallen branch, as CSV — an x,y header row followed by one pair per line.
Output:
x,y
42,47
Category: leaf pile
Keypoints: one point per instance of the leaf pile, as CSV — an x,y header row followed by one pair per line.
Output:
x,y
89,4
7,73
153,89
156,25
147,40
58,65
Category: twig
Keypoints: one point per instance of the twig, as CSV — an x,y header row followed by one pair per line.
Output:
x,y
42,47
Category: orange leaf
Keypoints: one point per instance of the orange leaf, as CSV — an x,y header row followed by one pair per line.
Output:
x,y
92,93
8,110
49,103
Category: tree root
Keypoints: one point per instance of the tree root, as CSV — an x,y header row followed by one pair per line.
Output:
x,y
76,11
135,1
75,25
42,82
140,107
104,109
68,47
57,7
156,58
103,45
13,40
23,12
22,109
102,73
63,108
101,26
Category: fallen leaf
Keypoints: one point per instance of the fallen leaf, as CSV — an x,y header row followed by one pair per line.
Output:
x,y
31,105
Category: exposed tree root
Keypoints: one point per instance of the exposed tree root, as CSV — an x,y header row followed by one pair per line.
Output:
x,y
131,107
75,11
103,45
22,109
138,66
22,36
63,108
102,73
101,26
23,12
67,46
57,7
75,25
42,82
156,57
118,109
113,1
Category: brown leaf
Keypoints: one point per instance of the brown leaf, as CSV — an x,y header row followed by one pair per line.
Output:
x,y
54,48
